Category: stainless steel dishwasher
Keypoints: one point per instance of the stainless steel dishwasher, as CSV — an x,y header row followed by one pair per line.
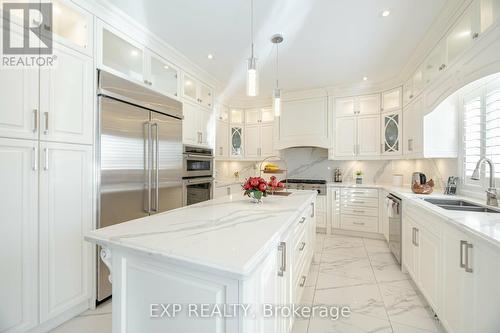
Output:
x,y
394,213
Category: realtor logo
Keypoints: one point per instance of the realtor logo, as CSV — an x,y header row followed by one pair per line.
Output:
x,y
36,37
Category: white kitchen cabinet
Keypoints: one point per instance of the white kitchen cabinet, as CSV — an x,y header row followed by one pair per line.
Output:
x,y
267,139
121,55
252,141
345,137
71,26
413,128
304,122
18,235
368,136
368,104
197,91
222,112
413,86
359,209
409,247
197,125
222,139
391,100
344,106
162,76
429,265
462,35
65,218
19,103
252,116
489,13
384,218
392,132
435,63
237,116
67,98
333,209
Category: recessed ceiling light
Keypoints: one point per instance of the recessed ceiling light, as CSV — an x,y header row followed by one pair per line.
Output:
x,y
365,78
386,13
210,56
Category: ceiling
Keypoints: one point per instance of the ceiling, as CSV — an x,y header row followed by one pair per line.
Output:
x,y
327,42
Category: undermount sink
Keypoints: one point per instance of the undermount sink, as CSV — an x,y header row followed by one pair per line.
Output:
x,y
454,204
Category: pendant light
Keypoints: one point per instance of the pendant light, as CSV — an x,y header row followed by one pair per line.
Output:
x,y
252,74
276,40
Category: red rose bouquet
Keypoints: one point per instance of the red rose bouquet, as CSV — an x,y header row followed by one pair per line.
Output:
x,y
255,187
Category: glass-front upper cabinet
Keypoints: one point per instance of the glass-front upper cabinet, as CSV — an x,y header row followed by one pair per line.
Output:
x,y
462,35
236,141
391,99
122,56
206,98
267,115
435,62
252,116
222,112
189,87
237,116
391,133
163,76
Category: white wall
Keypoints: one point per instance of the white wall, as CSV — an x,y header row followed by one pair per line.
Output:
x,y
313,163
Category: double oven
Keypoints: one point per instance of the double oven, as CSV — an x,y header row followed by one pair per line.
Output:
x,y
197,174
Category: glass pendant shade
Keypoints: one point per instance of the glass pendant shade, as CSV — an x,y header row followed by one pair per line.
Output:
x,y
252,78
277,102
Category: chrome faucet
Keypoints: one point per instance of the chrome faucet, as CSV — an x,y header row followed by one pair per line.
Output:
x,y
491,192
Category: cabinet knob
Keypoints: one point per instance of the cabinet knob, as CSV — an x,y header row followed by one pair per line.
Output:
x,y
475,35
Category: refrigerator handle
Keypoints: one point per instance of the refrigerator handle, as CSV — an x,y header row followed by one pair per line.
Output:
x,y
148,163
156,167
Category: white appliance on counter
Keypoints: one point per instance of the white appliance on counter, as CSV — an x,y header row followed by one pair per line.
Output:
x,y
139,156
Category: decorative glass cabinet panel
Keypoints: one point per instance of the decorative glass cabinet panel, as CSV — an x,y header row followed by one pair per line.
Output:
x,y
71,23
236,141
391,133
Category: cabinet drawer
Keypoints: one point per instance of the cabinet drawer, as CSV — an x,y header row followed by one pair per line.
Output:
x,y
300,248
359,202
300,281
359,223
360,211
360,192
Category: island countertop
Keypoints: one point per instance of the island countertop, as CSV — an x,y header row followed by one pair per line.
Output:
x,y
229,234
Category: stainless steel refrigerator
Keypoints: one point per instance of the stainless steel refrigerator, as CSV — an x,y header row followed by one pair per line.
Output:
x,y
139,157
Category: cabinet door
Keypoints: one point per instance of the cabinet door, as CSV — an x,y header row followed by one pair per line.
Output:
x,y
345,137
333,208
368,134
252,141
408,91
429,247
65,218
206,96
413,128
222,139
486,270
72,26
222,112
266,140
190,88
369,104
267,115
67,98
418,81
460,37
205,127
391,133
236,142
122,56
409,260
237,116
19,102
391,100
163,76
344,106
18,235
489,13
190,130
457,284
252,116
417,145
435,62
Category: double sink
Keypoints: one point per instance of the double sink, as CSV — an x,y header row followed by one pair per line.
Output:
x,y
461,205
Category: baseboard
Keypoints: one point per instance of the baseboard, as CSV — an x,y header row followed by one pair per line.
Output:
x,y
357,234
61,319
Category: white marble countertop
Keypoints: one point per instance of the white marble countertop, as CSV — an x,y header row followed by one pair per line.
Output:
x,y
226,182
485,226
229,235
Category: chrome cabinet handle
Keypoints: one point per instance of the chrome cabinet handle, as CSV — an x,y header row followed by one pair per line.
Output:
x,y
302,220
358,223
413,236
149,162
156,166
302,246
313,209
303,281
46,161
282,249
463,244
46,130
34,159
417,243
357,201
220,151
468,269
358,211
35,120
475,35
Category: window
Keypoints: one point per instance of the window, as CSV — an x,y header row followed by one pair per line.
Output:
x,y
481,128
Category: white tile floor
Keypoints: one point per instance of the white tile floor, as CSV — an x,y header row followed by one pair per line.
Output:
x,y
357,272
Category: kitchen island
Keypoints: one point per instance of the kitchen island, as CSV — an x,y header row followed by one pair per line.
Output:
x,y
210,267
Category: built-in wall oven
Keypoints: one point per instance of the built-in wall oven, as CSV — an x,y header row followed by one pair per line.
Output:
x,y
197,180
197,162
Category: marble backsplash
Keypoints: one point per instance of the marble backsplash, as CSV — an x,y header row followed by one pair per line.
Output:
x,y
313,163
